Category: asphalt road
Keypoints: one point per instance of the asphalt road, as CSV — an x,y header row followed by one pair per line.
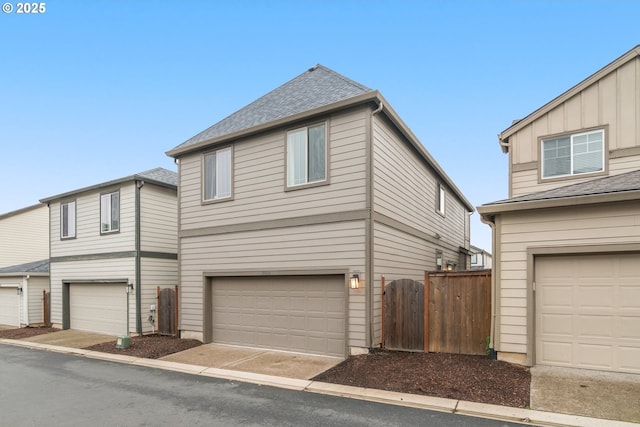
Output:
x,y
40,388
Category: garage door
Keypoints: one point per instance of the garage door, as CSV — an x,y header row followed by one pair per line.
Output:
x,y
588,312
98,308
9,306
302,314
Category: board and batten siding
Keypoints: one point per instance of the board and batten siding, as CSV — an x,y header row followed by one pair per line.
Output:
x,y
520,231
259,177
158,219
613,101
313,248
88,239
155,272
24,236
98,269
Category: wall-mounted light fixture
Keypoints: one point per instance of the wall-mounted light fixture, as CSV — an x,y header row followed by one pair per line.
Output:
x,y
19,290
129,287
449,266
354,281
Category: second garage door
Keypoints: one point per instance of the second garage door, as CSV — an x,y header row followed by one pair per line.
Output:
x,y
302,313
588,312
98,308
9,306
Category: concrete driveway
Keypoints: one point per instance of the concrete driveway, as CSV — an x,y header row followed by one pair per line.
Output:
x,y
71,338
259,361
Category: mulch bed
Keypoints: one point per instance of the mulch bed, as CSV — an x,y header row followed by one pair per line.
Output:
x,y
30,331
148,346
454,376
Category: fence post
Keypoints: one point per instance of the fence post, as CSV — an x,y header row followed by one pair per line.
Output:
x,y
382,334
426,311
175,305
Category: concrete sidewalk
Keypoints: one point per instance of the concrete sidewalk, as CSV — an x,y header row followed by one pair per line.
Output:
x,y
525,416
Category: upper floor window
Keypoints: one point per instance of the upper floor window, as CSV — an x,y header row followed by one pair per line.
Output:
x,y
306,155
442,195
217,174
110,212
68,220
574,154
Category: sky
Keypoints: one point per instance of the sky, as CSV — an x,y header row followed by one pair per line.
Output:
x,y
98,90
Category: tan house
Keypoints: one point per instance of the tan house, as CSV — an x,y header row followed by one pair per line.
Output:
x,y
21,293
112,244
567,241
284,204
24,236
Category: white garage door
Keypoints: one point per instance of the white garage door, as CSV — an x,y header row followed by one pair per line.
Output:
x,y
9,306
302,314
98,308
588,312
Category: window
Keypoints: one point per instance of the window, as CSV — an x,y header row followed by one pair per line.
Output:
x,y
441,199
68,220
438,260
217,174
474,258
573,154
306,155
110,212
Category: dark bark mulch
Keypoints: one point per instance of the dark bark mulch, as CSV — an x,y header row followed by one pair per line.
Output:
x,y
29,331
148,346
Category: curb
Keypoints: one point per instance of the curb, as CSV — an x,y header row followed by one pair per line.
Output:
x,y
453,406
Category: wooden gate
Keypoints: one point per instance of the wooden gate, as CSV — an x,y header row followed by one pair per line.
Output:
x,y
403,314
167,311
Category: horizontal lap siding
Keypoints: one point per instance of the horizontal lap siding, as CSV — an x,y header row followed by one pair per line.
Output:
x,y
158,219
338,246
88,239
155,272
25,237
259,178
614,101
593,225
36,304
119,268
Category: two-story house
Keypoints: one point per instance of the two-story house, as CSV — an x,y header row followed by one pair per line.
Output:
x,y
111,246
567,241
24,267
292,208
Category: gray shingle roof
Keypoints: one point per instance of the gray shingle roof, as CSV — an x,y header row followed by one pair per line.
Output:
x,y
30,267
160,175
316,87
629,181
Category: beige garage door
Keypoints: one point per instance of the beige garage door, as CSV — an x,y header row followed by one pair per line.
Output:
x,y
588,312
98,308
9,306
302,314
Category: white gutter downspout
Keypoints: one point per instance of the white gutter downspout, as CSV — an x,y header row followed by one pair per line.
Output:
x,y
25,300
493,283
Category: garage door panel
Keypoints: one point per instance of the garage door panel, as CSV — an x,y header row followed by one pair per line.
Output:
x,y
98,308
302,313
9,306
588,311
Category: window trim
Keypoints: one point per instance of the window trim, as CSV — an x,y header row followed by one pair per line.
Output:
x,y
231,196
111,231
441,199
571,176
319,183
75,219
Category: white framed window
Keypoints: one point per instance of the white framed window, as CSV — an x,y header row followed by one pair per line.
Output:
x,y
217,174
110,212
574,154
68,220
442,196
306,155
474,258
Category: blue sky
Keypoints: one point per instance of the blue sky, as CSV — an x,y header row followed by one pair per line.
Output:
x,y
98,90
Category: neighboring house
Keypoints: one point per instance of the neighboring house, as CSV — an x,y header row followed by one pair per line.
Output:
x,y
112,244
24,236
21,293
480,259
567,241
288,200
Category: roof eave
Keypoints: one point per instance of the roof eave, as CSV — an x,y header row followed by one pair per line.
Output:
x,y
505,134
24,273
490,210
372,95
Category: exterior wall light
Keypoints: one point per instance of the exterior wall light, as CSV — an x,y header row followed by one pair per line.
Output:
x,y
19,290
354,281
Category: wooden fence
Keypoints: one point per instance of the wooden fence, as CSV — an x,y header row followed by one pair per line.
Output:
x,y
452,315
167,311
46,308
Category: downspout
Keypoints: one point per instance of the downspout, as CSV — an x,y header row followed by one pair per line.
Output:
x,y
491,223
139,185
369,263
25,299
